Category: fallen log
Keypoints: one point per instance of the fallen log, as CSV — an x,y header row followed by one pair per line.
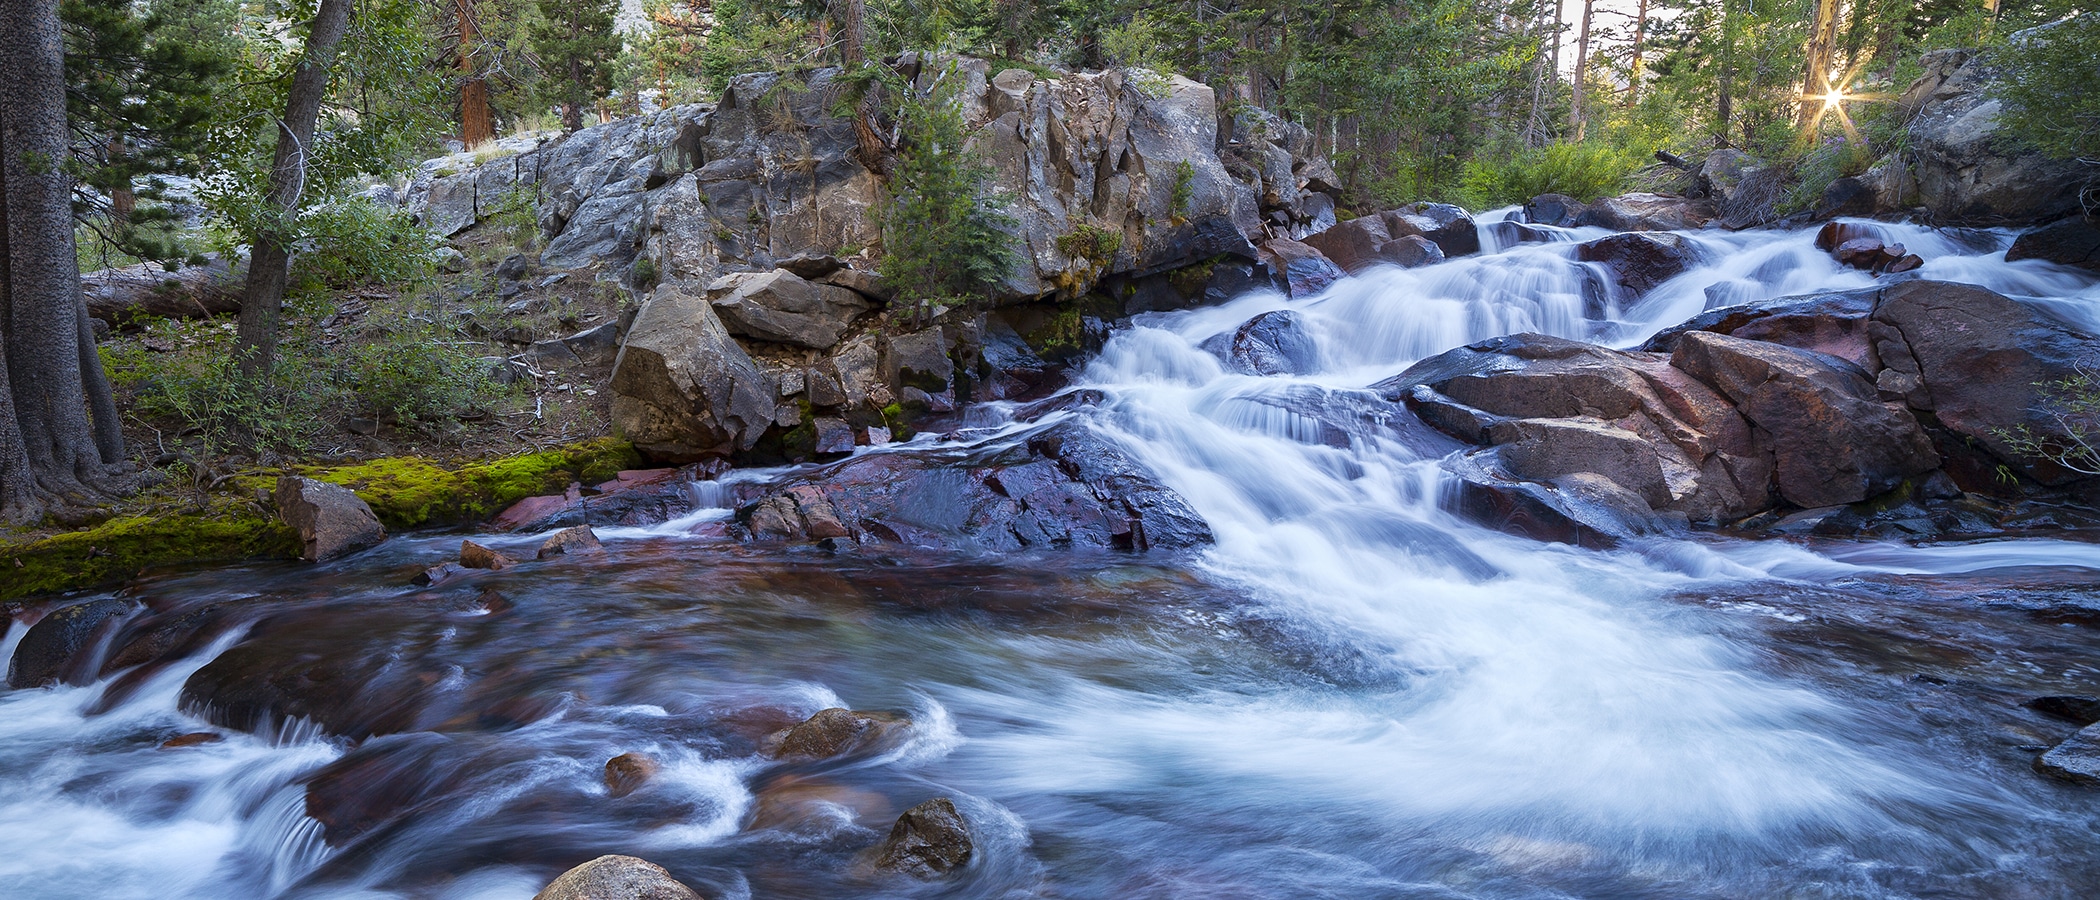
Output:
x,y
123,294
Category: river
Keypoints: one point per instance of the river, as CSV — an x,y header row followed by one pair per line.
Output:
x,y
1352,694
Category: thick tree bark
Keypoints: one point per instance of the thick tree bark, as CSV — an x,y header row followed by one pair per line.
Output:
x,y
572,111
269,258
19,501
1640,35
42,277
475,125
853,39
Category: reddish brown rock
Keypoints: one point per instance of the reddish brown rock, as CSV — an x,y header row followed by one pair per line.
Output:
x,y
476,556
1639,260
1303,270
1833,441
194,739
627,772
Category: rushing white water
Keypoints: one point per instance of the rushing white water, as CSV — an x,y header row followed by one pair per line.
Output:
x,y
1473,714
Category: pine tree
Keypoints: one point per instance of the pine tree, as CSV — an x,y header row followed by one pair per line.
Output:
x,y
576,46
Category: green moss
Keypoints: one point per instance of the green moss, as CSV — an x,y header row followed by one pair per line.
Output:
x,y
405,492
119,548
414,492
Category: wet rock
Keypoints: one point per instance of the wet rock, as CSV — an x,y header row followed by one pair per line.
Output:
x,y
193,739
1510,233
683,388
798,802
1983,360
1447,226
1833,441
2074,241
50,652
1303,270
2076,760
1059,488
780,307
1835,234
1836,324
1554,409
1558,210
2077,710
330,519
918,360
833,436
616,878
626,773
579,539
476,556
1273,343
1352,245
439,574
930,840
1639,261
163,638
1364,243
837,732
1647,212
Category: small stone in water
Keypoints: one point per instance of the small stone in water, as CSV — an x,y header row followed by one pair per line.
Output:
x,y
190,740
476,556
2077,759
2079,710
836,731
626,772
579,539
928,841
616,878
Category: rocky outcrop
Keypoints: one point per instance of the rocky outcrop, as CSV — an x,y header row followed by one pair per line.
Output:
x,y
770,173
330,519
930,840
1960,163
1063,487
1415,235
1273,343
616,878
1646,212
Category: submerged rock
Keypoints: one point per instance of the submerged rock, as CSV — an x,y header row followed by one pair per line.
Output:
x,y
1273,343
2077,759
578,539
332,521
930,840
616,878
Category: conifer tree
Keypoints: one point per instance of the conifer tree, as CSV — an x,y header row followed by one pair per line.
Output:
x,y
576,46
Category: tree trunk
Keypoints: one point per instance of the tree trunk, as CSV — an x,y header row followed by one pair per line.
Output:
x,y
1724,100
269,256
572,110
1640,35
19,501
49,398
1815,81
853,39
1579,112
475,127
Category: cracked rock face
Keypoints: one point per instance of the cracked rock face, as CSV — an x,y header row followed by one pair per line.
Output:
x,y
683,388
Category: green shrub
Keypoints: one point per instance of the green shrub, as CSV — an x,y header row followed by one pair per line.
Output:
x,y
1584,171
1184,190
2052,94
354,243
1815,169
943,234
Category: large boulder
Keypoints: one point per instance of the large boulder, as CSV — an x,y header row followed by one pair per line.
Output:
x,y
1835,324
1063,487
1558,210
1638,261
1304,270
1273,343
2073,241
683,389
1981,363
616,878
780,307
331,520
1447,226
48,652
1966,168
1833,441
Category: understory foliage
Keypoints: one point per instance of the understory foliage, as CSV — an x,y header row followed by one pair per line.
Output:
x,y
945,241
2072,405
2053,94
